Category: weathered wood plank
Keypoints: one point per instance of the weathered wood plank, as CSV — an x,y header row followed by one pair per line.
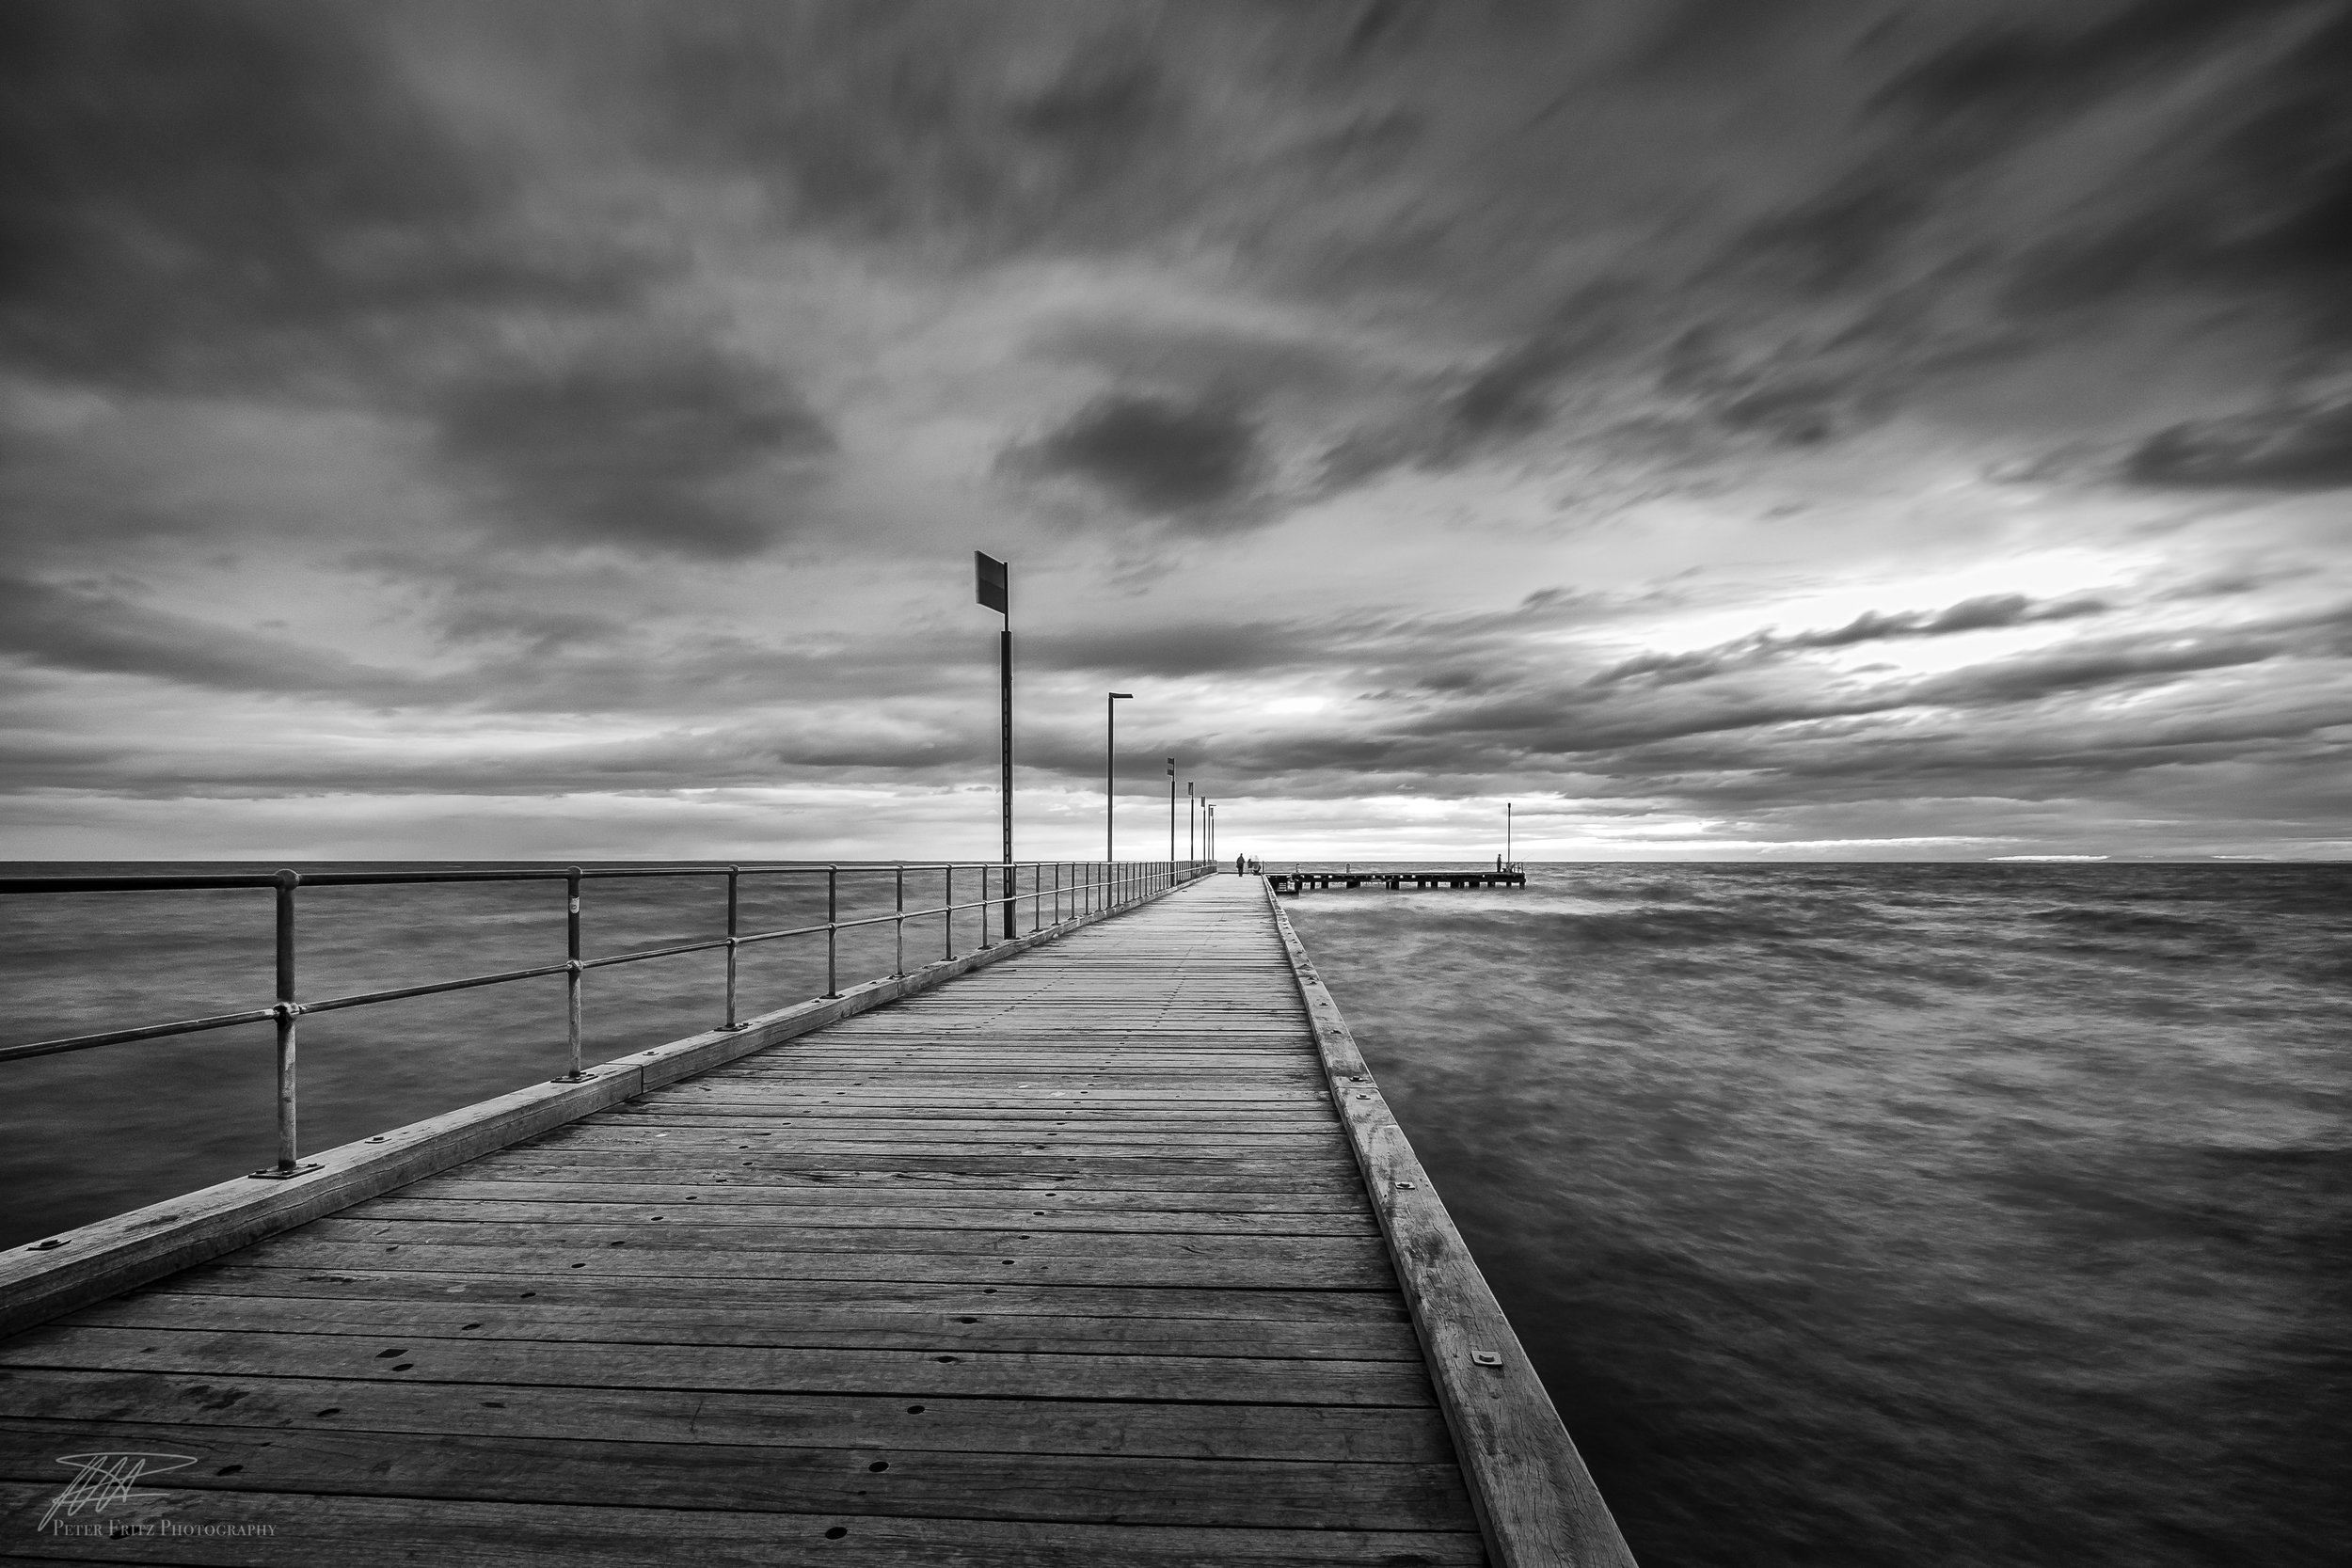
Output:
x,y
1367,1271
1321,1257
846,1327
1097,1221
606,1186
863,1480
1364,1434
378,1532
850,1138
780,1171
737,1368
236,1277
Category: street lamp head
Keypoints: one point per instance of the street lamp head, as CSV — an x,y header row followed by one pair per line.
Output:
x,y
1121,696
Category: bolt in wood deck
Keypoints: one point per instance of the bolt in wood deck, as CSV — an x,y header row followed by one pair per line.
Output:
x,y
1066,1263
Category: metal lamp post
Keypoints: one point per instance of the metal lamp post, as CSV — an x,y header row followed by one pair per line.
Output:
x,y
1110,772
995,592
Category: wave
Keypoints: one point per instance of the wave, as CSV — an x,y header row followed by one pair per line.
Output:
x,y
2124,923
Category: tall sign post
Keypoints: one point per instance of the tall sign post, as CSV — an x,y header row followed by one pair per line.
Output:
x,y
995,584
1110,771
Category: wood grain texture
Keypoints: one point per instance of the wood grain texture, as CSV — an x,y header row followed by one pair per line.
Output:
x,y
1383,1435
1067,1263
875,1477
380,1532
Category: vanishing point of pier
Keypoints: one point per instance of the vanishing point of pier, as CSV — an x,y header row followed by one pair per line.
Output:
x,y
1106,1251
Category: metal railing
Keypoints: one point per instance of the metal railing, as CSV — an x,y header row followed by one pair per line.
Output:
x,y
1077,889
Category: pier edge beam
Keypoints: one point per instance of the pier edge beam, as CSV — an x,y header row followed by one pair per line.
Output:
x,y
1536,1504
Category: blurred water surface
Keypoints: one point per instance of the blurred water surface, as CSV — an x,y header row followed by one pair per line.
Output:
x,y
1902,1215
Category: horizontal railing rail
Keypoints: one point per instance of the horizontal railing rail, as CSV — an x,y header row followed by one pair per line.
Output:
x,y
1078,887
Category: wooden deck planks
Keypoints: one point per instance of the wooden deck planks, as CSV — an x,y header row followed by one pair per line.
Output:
x,y
1067,1261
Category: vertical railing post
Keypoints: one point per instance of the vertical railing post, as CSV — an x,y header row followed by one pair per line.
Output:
x,y
287,1009
898,925
833,930
985,940
573,972
735,878
1058,893
947,909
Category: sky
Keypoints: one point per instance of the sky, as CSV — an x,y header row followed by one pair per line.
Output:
x,y
1722,429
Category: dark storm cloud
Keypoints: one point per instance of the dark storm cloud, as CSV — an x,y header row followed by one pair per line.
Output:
x,y
2015,71
2296,447
988,130
682,759
1202,360
525,658
1973,188
1523,714
1188,462
1191,648
2108,664
633,442
64,628
231,191
1358,644
2253,192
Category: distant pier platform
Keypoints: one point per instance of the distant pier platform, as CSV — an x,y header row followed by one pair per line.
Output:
x,y
1391,878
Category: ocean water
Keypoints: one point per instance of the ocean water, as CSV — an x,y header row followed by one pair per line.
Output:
x,y
1902,1215
91,1134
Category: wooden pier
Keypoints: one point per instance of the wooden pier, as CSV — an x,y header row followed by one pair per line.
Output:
x,y
1108,1253
1387,876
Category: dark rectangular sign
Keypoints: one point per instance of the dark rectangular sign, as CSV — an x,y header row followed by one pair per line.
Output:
x,y
996,582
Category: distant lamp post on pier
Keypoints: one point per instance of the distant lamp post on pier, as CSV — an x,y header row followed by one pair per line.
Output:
x,y
1110,772
1506,834
1171,809
1192,811
995,592
1208,818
